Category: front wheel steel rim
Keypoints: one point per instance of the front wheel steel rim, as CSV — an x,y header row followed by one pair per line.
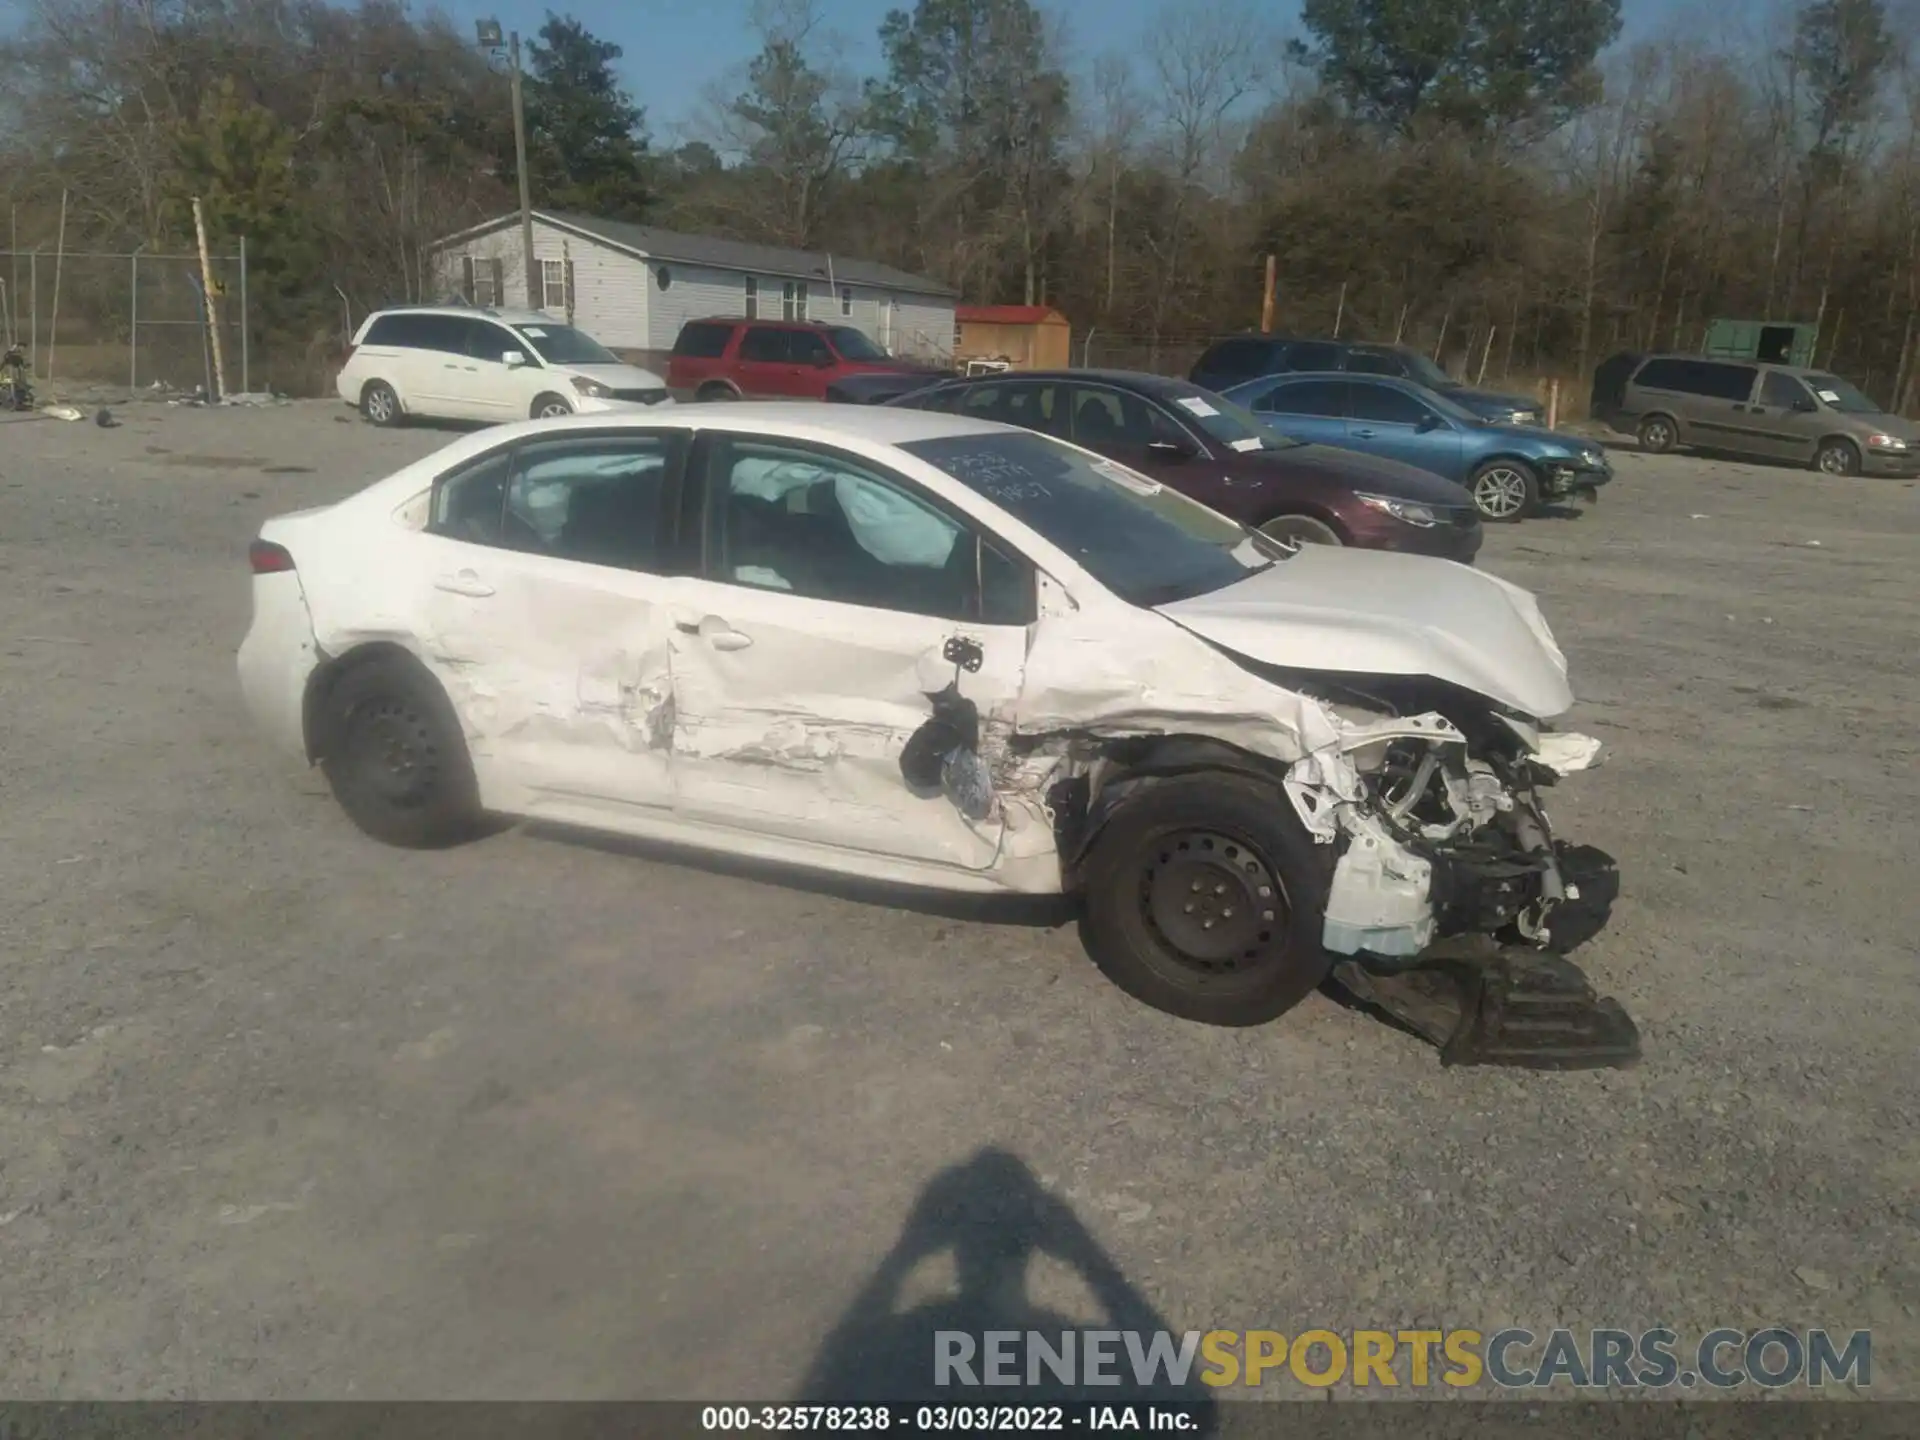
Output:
x,y
553,411
1500,493
1835,461
379,407
1213,902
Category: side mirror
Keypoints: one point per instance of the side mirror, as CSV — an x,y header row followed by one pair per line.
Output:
x,y
512,359
1429,422
822,362
1171,449
1805,406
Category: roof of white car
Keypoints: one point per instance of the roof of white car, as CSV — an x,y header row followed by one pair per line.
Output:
x,y
875,424
509,317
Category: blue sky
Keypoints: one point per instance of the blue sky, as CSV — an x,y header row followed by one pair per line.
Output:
x,y
675,49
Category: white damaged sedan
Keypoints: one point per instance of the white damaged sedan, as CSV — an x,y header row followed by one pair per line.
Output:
x,y
921,649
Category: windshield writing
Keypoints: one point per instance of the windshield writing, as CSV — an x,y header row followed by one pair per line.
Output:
x,y
564,345
1224,422
1838,394
1146,543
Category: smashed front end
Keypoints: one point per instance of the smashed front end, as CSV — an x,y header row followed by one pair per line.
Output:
x,y
1449,894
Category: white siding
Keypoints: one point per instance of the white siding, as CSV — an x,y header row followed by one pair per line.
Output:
x,y
924,328
696,291
610,287
618,301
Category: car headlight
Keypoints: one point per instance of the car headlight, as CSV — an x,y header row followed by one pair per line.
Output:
x,y
1886,442
1524,417
590,387
1593,457
1407,510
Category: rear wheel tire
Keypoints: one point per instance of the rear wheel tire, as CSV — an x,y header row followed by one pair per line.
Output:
x,y
1658,434
716,391
1205,898
551,407
395,756
380,405
1837,457
1504,491
1300,530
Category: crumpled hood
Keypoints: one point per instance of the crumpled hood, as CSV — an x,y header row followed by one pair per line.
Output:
x,y
1371,474
1377,612
618,377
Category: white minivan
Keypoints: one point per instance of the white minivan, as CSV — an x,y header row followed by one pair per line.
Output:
x,y
457,363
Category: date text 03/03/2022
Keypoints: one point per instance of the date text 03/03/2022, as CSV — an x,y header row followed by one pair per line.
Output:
x,y
1162,1418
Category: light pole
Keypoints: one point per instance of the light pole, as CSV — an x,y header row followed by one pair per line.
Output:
x,y
488,33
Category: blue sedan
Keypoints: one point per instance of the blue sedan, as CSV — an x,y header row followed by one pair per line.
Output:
x,y
1508,469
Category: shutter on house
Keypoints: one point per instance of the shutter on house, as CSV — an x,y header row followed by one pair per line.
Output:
x,y
466,278
569,275
499,281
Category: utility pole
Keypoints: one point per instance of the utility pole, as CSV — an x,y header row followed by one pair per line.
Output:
x,y
488,34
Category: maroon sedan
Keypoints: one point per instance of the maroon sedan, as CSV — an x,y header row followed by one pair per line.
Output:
x,y
1209,448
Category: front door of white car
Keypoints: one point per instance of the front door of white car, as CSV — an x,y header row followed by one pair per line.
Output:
x,y
499,390
541,605
837,599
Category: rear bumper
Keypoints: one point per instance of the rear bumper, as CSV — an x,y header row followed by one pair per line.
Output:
x,y
276,659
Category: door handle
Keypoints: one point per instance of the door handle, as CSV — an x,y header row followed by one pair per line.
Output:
x,y
717,632
464,583
1363,434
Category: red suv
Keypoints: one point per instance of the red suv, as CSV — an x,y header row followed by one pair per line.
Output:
x,y
734,359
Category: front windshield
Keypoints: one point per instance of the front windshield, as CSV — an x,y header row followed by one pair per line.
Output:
x,y
1423,371
1226,422
564,345
1838,394
854,345
1146,543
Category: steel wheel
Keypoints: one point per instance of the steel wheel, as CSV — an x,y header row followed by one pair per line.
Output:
x,y
392,752
1500,492
1213,902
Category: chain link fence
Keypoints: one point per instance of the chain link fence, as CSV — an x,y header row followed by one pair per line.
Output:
x,y
125,321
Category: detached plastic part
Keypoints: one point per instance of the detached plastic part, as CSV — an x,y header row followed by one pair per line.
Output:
x,y
1486,1004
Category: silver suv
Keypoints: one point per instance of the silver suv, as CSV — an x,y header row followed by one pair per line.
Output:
x,y
1779,412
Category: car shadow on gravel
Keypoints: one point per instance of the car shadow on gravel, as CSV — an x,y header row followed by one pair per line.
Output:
x,y
1048,912
993,1217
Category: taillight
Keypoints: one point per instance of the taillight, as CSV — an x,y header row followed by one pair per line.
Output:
x,y
268,558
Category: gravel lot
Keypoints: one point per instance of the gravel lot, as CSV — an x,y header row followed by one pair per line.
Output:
x,y
284,1113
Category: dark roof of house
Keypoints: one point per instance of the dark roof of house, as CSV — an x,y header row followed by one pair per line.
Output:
x,y
652,243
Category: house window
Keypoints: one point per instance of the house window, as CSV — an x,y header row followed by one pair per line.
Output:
x,y
480,280
553,285
752,291
793,300
663,277
846,300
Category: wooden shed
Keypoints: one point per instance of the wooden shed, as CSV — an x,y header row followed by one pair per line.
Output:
x,y
1029,337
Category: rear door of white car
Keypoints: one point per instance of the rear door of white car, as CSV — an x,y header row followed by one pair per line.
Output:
x,y
543,606
834,597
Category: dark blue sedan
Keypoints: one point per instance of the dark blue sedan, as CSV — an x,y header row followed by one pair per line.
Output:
x,y
1508,469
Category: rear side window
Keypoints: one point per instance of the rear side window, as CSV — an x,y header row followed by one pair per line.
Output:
x,y
702,342
398,332
1374,362
1326,398
1311,355
763,343
446,333
593,500
1383,404
1709,378
1237,357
